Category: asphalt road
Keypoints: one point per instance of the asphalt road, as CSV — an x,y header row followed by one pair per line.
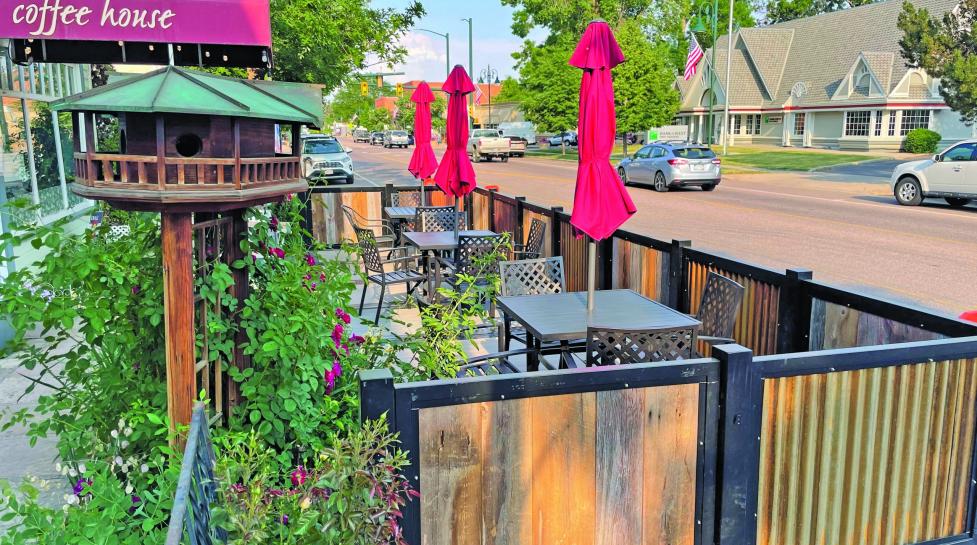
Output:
x,y
849,234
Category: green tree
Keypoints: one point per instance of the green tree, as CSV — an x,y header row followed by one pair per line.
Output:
x,y
510,90
946,48
643,84
551,86
324,41
786,10
406,109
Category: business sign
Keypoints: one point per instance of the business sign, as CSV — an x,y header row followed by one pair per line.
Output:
x,y
225,22
669,133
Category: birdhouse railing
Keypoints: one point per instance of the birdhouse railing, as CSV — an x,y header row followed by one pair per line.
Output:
x,y
122,171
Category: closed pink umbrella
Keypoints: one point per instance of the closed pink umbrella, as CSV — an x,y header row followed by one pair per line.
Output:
x,y
455,174
600,202
423,163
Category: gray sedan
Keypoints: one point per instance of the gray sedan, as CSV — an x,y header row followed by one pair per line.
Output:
x,y
664,165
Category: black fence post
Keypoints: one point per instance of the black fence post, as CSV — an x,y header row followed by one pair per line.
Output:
x,y
605,263
377,396
555,249
491,207
676,274
386,197
794,313
517,230
739,444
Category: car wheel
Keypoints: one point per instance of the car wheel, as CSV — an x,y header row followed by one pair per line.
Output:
x,y
349,179
908,192
505,158
476,157
957,202
708,187
623,174
661,185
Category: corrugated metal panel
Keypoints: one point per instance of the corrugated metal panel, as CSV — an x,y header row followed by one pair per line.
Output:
x,y
876,456
756,325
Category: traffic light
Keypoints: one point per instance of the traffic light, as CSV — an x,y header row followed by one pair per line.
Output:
x,y
400,89
364,88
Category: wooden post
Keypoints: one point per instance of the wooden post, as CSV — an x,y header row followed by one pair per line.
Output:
x,y
556,232
377,395
236,126
181,376
161,155
89,145
240,291
517,229
491,207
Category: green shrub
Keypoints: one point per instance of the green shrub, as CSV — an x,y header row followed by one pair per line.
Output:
x,y
921,141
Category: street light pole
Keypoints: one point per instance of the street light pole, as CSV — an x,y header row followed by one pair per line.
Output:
x,y
712,69
729,57
471,99
487,75
447,49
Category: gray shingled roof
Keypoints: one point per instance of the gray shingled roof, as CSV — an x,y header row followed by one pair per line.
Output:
x,y
819,51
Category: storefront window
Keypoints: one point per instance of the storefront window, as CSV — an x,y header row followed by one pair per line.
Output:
x,y
914,119
856,123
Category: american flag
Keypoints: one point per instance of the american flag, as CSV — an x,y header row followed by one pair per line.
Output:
x,y
695,55
478,94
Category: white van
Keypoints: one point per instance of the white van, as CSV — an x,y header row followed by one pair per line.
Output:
x,y
522,129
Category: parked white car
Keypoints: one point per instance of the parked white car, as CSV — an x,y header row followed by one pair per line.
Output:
x,y
950,175
486,144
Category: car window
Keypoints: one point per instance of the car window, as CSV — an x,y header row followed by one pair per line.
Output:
x,y
485,133
398,133
319,146
643,153
694,153
658,152
963,152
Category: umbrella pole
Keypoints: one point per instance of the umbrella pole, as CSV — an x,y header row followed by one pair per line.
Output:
x,y
456,218
591,273
422,191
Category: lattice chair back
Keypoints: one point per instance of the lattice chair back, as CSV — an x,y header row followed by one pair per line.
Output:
x,y
367,242
721,300
405,198
473,249
532,276
621,346
534,241
433,219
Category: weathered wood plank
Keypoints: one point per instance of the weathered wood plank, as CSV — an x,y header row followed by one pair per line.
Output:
x,y
670,464
507,476
564,469
450,475
620,444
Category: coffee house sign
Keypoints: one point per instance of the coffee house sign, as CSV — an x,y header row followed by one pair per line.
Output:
x,y
239,22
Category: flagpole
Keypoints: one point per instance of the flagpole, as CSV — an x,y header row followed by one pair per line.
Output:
x,y
729,58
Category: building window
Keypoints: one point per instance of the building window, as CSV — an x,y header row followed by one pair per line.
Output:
x,y
914,119
749,124
752,124
798,124
856,123
892,122
878,123
737,125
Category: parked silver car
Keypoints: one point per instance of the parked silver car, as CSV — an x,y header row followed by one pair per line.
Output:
x,y
950,175
665,165
396,138
324,159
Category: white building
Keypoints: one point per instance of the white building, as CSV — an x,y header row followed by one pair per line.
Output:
x,y
834,80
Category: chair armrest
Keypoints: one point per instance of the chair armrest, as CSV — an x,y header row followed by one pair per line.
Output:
x,y
404,259
715,340
501,356
502,364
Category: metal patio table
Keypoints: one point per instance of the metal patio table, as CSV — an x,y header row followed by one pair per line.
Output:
x,y
399,215
563,317
439,241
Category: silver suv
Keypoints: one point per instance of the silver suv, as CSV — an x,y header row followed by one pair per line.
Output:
x,y
396,138
664,165
324,160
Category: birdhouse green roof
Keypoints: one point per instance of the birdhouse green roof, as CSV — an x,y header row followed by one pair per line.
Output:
x,y
180,91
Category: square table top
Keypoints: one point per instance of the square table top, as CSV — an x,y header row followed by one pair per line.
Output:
x,y
563,316
400,212
440,240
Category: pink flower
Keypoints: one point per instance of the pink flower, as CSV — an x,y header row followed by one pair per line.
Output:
x,y
322,277
310,259
273,224
342,315
299,476
308,277
312,287
356,339
277,252
337,370
330,381
337,335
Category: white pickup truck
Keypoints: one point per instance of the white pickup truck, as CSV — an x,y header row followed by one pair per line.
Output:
x,y
486,144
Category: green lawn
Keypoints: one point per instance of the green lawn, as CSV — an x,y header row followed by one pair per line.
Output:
x,y
744,159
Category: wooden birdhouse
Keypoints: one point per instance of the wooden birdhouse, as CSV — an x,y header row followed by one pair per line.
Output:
x,y
188,143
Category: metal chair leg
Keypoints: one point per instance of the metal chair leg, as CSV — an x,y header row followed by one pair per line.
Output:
x,y
363,296
383,289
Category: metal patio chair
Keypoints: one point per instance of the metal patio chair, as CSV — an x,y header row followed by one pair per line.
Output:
x,y
404,198
432,219
491,364
388,235
467,260
608,346
533,247
528,277
721,301
376,273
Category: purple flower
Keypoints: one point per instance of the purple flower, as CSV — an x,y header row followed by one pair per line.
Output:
x,y
299,476
337,370
136,500
80,485
135,289
308,277
284,519
313,286
337,335
238,488
343,315
277,252
330,381
310,259
275,492
356,339
322,277
273,224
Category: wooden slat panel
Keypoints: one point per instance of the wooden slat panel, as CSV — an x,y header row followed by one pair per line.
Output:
x,y
875,456
620,471
670,454
574,251
505,218
480,210
527,220
564,484
837,326
507,476
450,475
640,268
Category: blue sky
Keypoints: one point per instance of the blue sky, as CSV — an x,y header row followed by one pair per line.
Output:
x,y
491,34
